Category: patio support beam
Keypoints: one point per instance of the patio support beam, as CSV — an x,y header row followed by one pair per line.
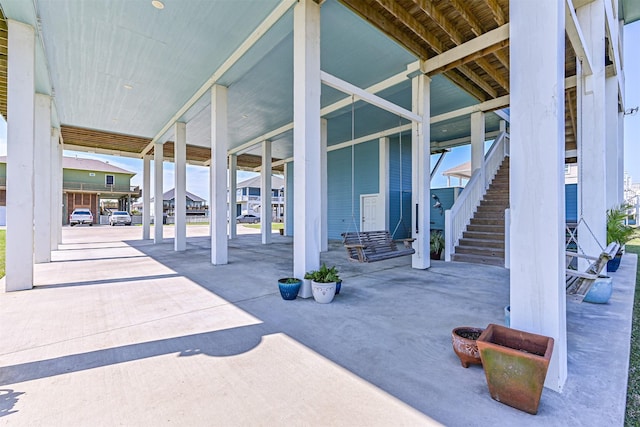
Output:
x,y
56,189
324,192
146,197
158,202
218,176
576,37
20,155
537,211
592,135
420,172
384,147
611,156
265,194
348,88
306,137
180,187
477,142
233,196
42,179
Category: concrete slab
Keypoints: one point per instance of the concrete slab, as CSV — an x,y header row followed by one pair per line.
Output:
x,y
121,331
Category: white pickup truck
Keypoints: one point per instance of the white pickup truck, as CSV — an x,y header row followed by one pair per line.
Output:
x,y
81,216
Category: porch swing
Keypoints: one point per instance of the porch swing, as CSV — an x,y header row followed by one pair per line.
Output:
x,y
372,246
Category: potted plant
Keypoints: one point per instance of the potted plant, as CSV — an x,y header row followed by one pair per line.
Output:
x,y
323,283
464,339
289,287
436,244
515,364
618,231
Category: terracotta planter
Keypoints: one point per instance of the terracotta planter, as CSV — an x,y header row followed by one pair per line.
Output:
x,y
464,339
515,364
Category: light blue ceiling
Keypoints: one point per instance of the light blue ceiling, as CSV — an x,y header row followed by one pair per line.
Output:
x,y
95,48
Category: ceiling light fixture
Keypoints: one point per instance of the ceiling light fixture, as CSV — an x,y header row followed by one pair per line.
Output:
x,y
157,4
129,87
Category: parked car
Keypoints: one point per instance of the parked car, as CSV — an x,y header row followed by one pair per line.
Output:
x,y
119,217
81,216
248,219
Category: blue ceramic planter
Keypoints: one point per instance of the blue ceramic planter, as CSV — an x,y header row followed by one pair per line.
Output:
x,y
289,291
600,291
338,286
613,264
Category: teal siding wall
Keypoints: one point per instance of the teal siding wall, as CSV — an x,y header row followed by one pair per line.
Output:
x,y
401,226
339,187
571,202
447,197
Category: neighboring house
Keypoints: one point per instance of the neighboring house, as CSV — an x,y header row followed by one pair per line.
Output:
x,y
196,206
86,183
248,200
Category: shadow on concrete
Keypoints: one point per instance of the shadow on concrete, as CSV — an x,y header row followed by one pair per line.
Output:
x,y
107,281
8,399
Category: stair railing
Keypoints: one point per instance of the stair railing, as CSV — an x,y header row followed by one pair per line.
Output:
x,y
458,217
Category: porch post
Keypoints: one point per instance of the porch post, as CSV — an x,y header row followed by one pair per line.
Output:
x,y
420,171
218,175
158,201
383,182
20,154
265,193
180,189
233,195
56,189
477,142
592,135
42,179
146,197
324,195
306,137
537,212
611,129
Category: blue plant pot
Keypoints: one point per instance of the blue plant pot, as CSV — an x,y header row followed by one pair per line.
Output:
x,y
600,291
613,264
507,316
338,286
289,291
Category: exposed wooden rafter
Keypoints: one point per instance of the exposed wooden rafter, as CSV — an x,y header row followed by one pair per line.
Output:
x,y
497,12
432,12
462,9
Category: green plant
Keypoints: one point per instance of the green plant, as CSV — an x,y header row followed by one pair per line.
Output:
x,y
323,275
436,242
617,230
289,280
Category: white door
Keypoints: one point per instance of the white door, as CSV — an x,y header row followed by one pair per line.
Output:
x,y
369,213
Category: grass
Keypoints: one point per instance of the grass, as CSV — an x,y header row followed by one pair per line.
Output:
x,y
3,235
274,225
632,417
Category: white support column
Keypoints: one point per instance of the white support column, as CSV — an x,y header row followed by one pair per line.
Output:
x,y
56,189
233,195
146,197
537,212
592,135
324,191
61,193
20,156
477,142
288,197
158,158
180,189
620,142
421,172
218,176
265,194
383,182
42,179
611,118
306,137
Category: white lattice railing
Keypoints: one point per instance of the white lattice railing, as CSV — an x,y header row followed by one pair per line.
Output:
x,y
457,218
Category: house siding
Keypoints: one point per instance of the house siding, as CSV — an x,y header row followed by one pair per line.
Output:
x,y
76,176
571,202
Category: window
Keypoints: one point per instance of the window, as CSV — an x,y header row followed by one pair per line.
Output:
x,y
92,174
110,180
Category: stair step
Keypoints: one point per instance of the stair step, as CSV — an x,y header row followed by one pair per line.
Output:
x,y
481,243
484,221
475,228
490,207
477,250
489,215
483,235
478,259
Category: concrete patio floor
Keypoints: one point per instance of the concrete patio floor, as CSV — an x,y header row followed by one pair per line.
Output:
x,y
119,331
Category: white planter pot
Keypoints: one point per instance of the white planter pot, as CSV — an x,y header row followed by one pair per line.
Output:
x,y
305,289
323,292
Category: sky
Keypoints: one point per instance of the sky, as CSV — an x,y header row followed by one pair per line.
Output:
x,y
198,176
